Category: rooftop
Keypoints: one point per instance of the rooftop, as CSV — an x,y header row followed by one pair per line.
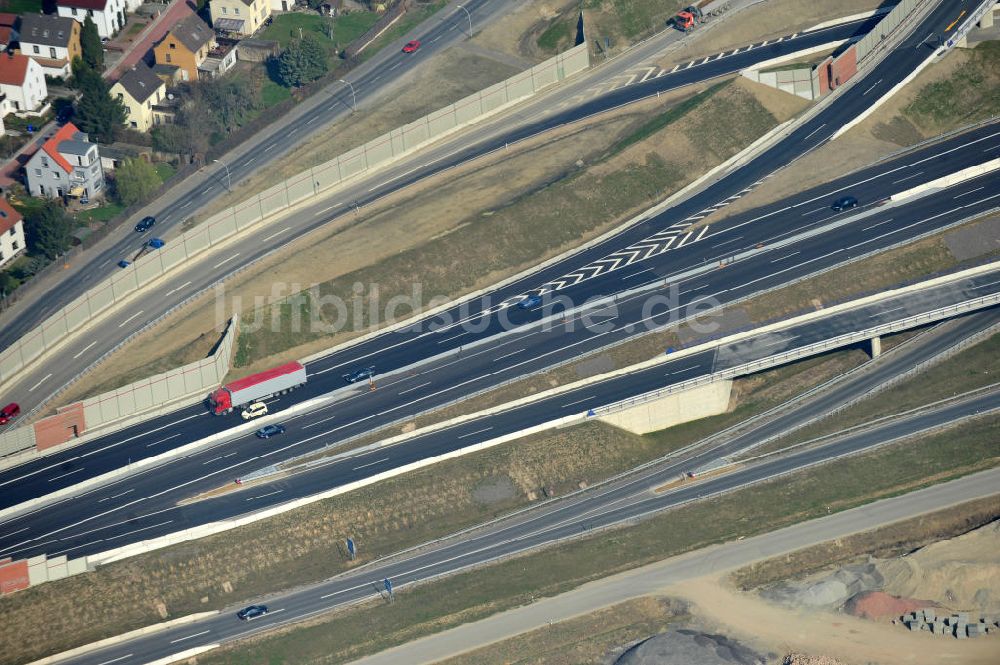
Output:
x,y
192,32
8,216
140,82
46,30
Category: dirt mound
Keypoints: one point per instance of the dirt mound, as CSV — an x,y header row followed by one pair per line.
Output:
x,y
828,590
878,605
690,647
802,659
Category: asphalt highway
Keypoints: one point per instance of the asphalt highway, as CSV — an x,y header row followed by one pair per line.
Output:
x,y
468,369
143,505
45,377
572,517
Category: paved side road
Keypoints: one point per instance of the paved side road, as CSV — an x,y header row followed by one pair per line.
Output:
x,y
711,560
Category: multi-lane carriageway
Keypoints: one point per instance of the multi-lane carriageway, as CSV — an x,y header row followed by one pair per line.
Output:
x,y
507,357
498,361
43,378
143,506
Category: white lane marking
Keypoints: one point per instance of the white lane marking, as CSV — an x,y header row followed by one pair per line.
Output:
x,y
130,318
172,436
224,261
277,233
636,274
787,256
907,177
319,422
181,639
76,547
869,228
44,378
312,120
814,131
886,311
186,204
214,459
410,390
507,355
577,401
261,496
108,498
269,148
726,242
177,289
871,87
969,192
478,431
84,350
8,535
813,212
378,461
122,535
324,210
249,161
66,474
115,660
434,40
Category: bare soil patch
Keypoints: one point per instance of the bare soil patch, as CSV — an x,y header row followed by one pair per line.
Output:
x,y
761,21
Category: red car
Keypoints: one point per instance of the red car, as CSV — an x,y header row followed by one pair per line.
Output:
x,y
411,46
9,412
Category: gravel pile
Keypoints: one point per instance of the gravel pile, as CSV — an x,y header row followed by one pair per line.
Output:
x,y
690,647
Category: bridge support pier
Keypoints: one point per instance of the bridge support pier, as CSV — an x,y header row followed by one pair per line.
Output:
x,y
876,347
699,402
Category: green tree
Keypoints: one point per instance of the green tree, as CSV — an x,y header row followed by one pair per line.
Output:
x,y
48,228
97,112
90,45
303,61
135,181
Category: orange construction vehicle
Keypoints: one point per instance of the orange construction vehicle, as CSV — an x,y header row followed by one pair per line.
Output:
x,y
686,20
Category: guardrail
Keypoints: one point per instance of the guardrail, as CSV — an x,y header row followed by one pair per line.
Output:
x,y
801,352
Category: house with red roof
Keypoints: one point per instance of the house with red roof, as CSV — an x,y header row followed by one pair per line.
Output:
x,y
22,82
67,165
11,232
8,30
107,15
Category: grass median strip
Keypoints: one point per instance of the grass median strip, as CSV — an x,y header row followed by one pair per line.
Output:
x,y
466,597
305,545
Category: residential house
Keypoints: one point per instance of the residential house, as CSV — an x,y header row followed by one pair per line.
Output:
x,y
139,89
8,30
186,46
108,15
53,41
239,18
11,232
68,164
22,83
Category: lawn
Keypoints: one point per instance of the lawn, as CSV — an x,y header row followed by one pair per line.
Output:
x,y
286,27
103,213
272,93
164,170
21,6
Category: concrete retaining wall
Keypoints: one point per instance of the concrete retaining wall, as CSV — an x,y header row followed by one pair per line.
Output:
x,y
136,399
673,409
798,82
222,226
948,180
891,21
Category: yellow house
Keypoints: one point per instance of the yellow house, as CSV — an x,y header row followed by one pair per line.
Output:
x,y
239,18
140,90
187,45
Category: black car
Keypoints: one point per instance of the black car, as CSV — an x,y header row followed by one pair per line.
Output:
x,y
845,203
360,374
530,301
145,224
252,612
267,431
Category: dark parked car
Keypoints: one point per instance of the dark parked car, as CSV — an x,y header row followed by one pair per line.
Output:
x,y
360,374
530,301
845,203
145,224
252,612
267,431
9,412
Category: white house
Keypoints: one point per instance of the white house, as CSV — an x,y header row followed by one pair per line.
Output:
x,y
108,15
52,41
11,232
22,83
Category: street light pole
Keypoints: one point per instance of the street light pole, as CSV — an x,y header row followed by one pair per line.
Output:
x,y
469,15
229,180
354,99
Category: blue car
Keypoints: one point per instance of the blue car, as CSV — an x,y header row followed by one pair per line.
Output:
x,y
360,374
267,431
155,243
124,264
252,612
145,224
528,302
